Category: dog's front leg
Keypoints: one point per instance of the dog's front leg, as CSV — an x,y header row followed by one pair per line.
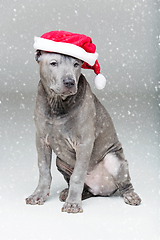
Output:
x,y
44,163
73,202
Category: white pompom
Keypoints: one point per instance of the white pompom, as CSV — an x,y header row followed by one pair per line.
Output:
x,y
100,81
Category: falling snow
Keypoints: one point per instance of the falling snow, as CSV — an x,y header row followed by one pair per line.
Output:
x,y
127,37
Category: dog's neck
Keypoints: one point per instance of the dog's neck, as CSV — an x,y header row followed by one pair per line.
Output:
x,y
60,105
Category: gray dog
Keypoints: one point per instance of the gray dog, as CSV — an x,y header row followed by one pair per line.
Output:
x,y
72,122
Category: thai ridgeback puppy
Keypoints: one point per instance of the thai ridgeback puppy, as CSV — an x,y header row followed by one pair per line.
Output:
x,y
72,122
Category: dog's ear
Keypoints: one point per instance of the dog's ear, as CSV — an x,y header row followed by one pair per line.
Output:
x,y
38,55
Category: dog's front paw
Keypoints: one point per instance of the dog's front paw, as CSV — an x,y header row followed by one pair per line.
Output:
x,y
131,198
39,197
72,208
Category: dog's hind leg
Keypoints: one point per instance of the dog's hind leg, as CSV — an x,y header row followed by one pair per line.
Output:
x,y
67,172
118,168
44,163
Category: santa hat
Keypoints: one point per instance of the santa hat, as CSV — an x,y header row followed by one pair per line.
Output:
x,y
75,45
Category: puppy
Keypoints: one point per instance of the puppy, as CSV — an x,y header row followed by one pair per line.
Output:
x,y
72,122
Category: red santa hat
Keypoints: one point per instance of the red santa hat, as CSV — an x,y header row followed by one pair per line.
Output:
x,y
75,45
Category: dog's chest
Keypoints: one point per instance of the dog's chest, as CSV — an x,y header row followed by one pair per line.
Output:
x,y
59,137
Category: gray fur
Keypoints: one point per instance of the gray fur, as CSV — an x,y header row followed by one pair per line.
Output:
x,y
72,122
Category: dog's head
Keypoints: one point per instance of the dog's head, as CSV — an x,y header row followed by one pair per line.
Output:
x,y
59,73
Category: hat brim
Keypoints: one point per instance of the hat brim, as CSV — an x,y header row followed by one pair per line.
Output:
x,y
65,48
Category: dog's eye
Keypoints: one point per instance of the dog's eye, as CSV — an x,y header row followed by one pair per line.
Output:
x,y
54,63
76,64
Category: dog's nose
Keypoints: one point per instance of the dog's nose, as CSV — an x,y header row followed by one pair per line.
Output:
x,y
68,83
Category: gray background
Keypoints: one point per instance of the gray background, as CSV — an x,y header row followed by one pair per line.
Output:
x,y
127,36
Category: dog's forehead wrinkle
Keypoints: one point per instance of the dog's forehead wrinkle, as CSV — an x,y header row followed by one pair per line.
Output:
x,y
62,58
69,58
52,56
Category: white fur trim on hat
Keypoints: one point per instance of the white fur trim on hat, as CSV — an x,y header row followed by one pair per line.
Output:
x,y
100,81
65,48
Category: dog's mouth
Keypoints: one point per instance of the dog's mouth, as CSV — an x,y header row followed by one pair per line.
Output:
x,y
64,95
64,92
